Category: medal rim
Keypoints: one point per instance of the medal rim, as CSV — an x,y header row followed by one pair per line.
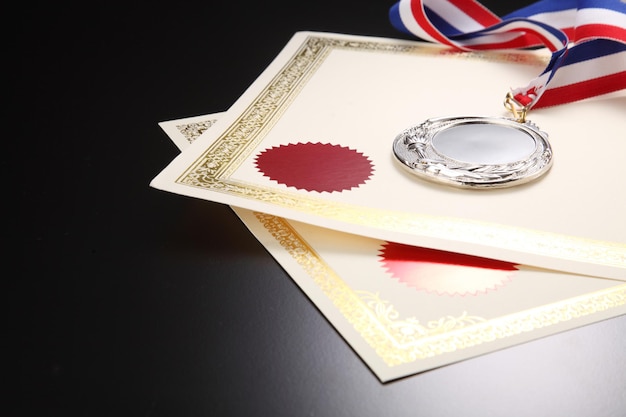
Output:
x,y
413,148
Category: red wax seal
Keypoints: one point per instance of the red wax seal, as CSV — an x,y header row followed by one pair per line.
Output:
x,y
444,273
315,166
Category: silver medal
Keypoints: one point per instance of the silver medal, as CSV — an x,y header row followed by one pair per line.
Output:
x,y
475,152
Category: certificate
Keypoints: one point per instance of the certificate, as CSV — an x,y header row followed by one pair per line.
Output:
x,y
311,141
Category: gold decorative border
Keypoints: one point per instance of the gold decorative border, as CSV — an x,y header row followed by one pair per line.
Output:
x,y
192,131
405,340
212,169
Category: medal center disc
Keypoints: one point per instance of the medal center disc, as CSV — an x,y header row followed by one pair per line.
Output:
x,y
482,143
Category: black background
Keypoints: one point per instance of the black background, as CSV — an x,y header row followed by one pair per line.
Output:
x,y
125,300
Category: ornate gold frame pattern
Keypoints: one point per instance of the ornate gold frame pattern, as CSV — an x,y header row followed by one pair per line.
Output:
x,y
192,131
212,170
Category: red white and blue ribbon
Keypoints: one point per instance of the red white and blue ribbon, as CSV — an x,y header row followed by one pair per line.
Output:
x,y
587,39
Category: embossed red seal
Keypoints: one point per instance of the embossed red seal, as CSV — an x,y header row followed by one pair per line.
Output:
x,y
444,273
320,167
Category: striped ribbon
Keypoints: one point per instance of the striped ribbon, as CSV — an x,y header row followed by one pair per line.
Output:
x,y
587,39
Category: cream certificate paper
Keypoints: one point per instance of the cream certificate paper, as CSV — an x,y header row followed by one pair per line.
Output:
x,y
407,309
336,102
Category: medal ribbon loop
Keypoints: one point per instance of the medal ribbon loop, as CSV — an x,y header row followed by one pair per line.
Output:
x,y
587,39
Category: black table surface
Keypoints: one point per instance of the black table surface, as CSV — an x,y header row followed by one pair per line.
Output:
x,y
125,300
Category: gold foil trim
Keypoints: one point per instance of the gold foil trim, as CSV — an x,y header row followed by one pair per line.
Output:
x,y
398,340
191,131
212,169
